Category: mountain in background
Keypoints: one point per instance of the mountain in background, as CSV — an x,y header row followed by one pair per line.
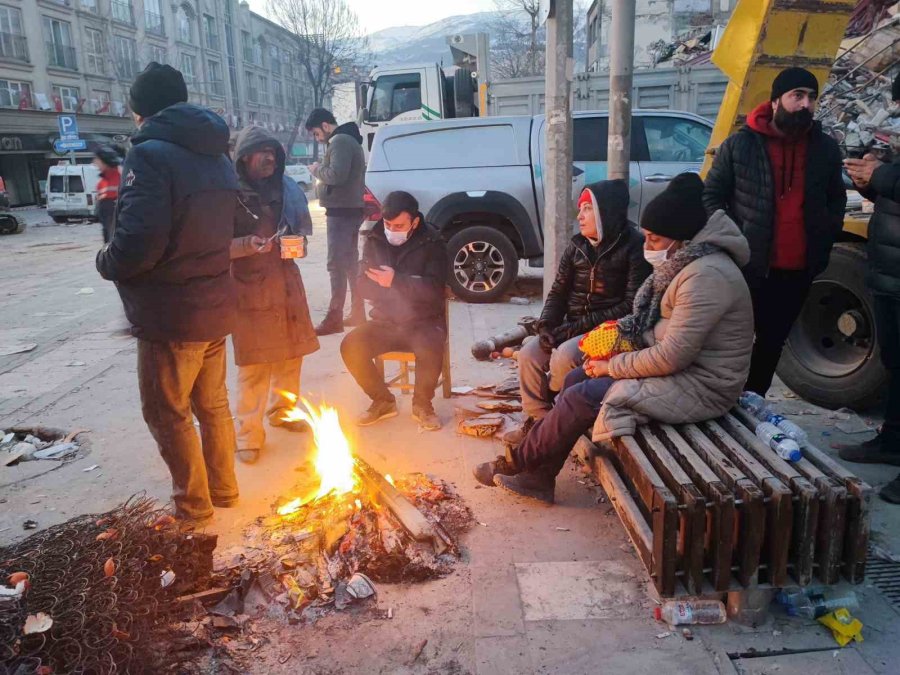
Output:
x,y
428,44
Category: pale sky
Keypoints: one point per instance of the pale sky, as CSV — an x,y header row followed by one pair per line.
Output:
x,y
377,14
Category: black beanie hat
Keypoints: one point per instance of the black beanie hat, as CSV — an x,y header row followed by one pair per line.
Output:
x,y
677,212
895,88
157,87
793,78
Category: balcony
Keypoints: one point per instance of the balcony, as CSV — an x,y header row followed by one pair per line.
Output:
x,y
153,24
13,46
121,11
61,56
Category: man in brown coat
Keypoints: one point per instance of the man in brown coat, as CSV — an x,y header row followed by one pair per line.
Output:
x,y
274,331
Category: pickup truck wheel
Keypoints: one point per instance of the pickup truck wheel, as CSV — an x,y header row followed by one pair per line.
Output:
x,y
832,357
483,264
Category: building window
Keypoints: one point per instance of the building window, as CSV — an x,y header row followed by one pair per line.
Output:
x,y
12,38
153,20
184,24
288,63
89,5
252,92
102,101
258,52
247,46
291,97
275,59
156,53
58,38
122,11
125,57
15,94
263,89
67,97
96,52
187,67
211,31
216,83
278,92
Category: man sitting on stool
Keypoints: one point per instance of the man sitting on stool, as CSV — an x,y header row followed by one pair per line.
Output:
x,y
402,274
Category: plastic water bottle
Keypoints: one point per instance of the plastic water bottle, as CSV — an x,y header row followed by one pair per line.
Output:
x,y
779,442
690,611
753,403
813,603
790,429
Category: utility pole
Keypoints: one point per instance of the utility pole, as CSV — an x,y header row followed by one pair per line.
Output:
x,y
621,67
557,167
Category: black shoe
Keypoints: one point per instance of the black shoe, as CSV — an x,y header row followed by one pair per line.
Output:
x,y
502,465
891,491
331,324
879,450
379,410
533,484
515,437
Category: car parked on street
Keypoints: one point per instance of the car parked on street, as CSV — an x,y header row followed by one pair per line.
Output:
x,y
72,192
301,175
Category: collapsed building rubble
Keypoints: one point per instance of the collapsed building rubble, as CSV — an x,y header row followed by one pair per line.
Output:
x,y
26,444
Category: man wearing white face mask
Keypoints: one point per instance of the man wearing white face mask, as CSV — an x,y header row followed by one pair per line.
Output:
x,y
403,274
691,325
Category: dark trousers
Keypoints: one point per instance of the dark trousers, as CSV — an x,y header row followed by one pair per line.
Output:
x,y
106,212
777,301
552,438
425,340
177,381
343,260
887,321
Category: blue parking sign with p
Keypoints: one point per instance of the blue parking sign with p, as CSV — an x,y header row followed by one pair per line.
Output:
x,y
68,127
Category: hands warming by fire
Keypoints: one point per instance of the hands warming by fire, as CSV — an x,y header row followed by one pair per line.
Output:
x,y
383,276
596,367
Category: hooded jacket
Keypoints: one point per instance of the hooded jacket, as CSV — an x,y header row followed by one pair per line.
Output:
x,y
169,253
273,322
342,173
883,244
742,182
699,351
420,276
597,284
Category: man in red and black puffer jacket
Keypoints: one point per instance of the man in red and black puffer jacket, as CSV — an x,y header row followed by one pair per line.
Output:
x,y
779,178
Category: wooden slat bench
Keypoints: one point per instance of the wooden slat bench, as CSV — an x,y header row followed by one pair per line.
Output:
x,y
710,508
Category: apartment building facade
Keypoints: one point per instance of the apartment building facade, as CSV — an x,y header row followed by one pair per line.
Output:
x,y
80,56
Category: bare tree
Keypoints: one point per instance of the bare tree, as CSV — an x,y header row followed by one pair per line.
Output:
x,y
518,26
328,38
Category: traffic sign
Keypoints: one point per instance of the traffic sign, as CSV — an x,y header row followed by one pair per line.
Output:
x,y
68,127
63,145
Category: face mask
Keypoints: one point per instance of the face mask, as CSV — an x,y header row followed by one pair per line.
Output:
x,y
657,258
396,238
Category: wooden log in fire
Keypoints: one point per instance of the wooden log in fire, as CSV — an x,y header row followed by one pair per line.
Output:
x,y
409,516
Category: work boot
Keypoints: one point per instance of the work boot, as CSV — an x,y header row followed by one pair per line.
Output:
x,y
331,324
514,437
426,417
891,491
533,484
504,465
379,410
248,455
882,449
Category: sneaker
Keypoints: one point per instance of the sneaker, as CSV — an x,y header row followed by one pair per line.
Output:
x,y
873,451
503,465
531,484
426,417
248,455
379,410
891,492
331,324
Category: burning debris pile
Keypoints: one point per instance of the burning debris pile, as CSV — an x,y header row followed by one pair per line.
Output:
x,y
26,444
95,594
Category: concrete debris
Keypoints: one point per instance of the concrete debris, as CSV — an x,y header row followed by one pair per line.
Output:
x,y
25,445
9,350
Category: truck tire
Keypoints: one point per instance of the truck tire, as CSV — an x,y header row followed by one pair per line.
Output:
x,y
832,356
483,264
464,93
60,220
9,224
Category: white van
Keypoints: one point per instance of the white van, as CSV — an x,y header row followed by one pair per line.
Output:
x,y
72,192
301,175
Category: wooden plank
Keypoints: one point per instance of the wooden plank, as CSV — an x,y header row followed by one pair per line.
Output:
x,y
735,425
692,515
831,534
721,532
751,519
663,509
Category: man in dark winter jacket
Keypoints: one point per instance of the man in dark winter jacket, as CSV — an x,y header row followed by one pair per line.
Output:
x,y
403,274
881,183
598,276
273,331
169,257
779,178
341,176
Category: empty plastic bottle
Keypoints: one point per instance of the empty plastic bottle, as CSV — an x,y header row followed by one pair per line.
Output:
x,y
753,403
813,603
689,611
776,439
790,429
